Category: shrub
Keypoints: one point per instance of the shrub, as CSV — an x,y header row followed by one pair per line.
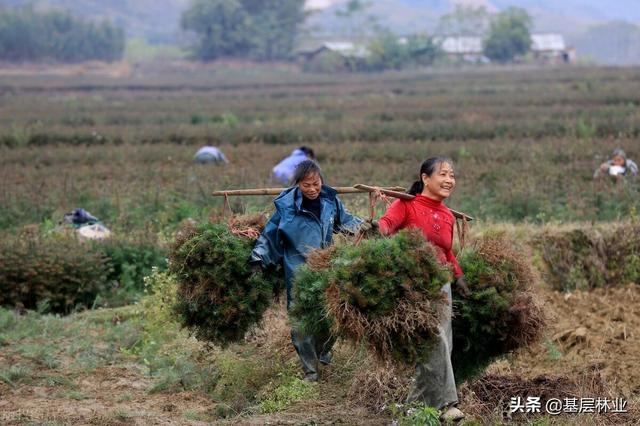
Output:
x,y
132,261
57,271
288,393
622,245
219,297
575,259
587,258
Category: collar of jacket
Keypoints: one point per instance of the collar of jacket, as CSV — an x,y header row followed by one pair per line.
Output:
x,y
293,196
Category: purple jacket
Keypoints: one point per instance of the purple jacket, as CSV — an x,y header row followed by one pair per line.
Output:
x,y
283,171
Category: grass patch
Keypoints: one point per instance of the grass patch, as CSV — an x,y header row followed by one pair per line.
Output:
x,y
57,381
415,414
125,397
195,415
288,393
15,375
41,354
75,395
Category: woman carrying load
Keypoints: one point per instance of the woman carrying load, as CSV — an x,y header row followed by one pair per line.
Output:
x,y
434,383
306,217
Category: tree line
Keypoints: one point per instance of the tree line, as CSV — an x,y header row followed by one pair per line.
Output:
x,y
27,35
255,29
267,30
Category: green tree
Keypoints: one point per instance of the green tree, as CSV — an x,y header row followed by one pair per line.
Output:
x,y
274,27
27,35
221,26
387,51
509,35
258,29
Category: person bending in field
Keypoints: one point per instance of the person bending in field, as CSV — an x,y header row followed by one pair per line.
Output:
x,y
306,217
617,167
283,171
434,383
210,154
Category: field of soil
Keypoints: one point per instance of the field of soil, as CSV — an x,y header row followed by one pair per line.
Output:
x,y
525,143
593,341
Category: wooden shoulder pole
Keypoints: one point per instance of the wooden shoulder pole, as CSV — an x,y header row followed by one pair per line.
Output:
x,y
276,191
394,191
405,196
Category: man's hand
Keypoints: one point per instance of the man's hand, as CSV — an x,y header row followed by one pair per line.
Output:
x,y
462,288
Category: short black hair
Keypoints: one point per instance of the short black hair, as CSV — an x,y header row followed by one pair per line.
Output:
x,y
304,169
308,151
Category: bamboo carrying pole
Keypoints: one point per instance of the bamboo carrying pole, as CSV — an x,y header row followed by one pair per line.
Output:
x,y
405,196
276,191
394,191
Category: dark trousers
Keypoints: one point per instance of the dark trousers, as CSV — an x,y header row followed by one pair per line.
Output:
x,y
311,349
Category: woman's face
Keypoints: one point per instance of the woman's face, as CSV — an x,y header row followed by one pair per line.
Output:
x,y
440,184
311,185
618,160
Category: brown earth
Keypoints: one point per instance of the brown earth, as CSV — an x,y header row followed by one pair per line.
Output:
x,y
593,345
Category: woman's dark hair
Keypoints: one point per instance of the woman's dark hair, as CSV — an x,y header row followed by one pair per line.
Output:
x,y
428,167
304,169
308,151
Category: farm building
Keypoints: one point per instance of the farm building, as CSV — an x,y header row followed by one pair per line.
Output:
x,y
332,56
546,48
465,48
551,48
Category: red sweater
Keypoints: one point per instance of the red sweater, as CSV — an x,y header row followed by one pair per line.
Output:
x,y
432,217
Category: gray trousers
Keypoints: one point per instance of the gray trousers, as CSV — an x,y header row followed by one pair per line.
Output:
x,y
434,383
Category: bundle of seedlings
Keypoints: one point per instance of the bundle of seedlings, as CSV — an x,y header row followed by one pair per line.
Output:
x,y
384,293
219,297
501,314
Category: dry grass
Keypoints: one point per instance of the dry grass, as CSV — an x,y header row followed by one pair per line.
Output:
x,y
380,385
412,323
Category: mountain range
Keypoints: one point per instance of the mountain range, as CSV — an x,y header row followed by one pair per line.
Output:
x,y
570,17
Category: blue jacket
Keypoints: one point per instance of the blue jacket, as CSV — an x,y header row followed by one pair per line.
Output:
x,y
292,232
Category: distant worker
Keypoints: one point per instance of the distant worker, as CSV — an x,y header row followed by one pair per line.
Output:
x,y
618,166
210,154
283,171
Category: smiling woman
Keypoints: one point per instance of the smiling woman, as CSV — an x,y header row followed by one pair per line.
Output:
x,y
434,383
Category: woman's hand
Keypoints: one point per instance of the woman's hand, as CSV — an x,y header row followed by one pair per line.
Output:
x,y
462,288
368,225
